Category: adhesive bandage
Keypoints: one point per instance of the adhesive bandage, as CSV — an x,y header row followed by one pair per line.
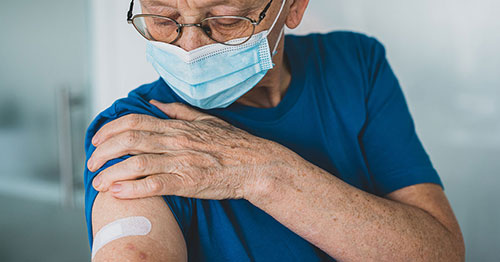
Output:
x,y
128,226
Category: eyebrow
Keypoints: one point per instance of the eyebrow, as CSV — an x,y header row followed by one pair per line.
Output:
x,y
155,3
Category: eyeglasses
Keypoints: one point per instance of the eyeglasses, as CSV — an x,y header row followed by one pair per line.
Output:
x,y
225,29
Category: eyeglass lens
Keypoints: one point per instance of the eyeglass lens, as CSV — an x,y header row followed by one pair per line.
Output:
x,y
219,29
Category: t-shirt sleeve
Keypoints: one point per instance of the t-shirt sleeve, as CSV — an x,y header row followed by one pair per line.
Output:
x,y
90,192
179,206
394,154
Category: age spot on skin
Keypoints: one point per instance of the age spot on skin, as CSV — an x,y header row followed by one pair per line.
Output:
x,y
130,246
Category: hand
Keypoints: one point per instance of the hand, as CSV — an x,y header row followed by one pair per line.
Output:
x,y
193,154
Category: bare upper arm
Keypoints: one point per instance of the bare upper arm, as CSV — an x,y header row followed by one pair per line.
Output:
x,y
431,198
164,242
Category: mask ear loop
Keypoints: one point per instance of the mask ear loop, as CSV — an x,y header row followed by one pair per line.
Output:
x,y
278,41
276,19
282,29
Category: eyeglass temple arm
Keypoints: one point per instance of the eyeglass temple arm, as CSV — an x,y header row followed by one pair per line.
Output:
x,y
263,13
129,13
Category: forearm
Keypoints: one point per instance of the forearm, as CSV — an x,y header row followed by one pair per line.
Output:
x,y
350,224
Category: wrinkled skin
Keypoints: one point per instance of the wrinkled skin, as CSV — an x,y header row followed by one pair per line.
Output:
x,y
193,155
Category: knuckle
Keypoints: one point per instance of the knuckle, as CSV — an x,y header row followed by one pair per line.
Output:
x,y
140,164
136,188
131,138
174,123
135,120
165,141
158,125
183,159
192,177
182,139
153,185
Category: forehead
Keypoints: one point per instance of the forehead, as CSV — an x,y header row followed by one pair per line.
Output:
x,y
201,4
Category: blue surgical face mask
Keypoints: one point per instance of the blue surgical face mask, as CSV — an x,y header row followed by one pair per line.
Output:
x,y
215,75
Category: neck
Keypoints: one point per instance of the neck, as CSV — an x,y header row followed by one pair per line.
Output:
x,y
271,89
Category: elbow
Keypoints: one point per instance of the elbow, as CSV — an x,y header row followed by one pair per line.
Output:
x,y
450,249
458,245
455,251
460,248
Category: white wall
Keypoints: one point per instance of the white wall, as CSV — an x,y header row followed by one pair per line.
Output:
x,y
445,54
118,61
43,47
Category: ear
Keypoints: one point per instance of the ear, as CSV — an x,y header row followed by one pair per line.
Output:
x,y
296,13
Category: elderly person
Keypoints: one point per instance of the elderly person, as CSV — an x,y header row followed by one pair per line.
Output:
x,y
256,146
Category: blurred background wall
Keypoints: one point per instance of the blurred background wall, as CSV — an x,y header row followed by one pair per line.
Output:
x,y
62,62
44,110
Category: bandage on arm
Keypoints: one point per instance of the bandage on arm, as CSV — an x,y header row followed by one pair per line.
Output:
x,y
156,236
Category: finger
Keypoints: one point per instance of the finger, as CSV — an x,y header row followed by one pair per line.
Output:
x,y
154,185
177,162
133,168
133,122
180,111
136,167
133,143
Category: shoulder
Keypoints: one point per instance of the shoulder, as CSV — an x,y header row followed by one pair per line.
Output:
x,y
136,102
339,54
336,44
345,61
337,37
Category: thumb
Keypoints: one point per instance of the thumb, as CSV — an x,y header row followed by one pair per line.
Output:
x,y
180,111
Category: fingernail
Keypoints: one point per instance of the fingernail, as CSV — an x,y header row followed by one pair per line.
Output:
x,y
95,140
116,188
97,181
90,164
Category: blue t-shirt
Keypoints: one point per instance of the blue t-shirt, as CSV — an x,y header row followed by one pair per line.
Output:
x,y
344,111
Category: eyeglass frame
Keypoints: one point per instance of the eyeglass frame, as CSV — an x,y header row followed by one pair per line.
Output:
x,y
262,15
